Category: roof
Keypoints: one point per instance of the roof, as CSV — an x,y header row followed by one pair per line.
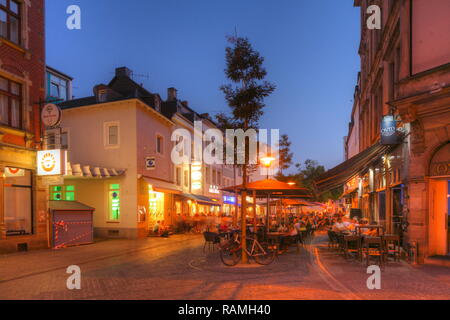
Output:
x,y
69,206
270,186
62,74
340,174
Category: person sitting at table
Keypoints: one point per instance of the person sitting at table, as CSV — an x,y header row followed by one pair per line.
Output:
x,y
282,228
339,226
291,235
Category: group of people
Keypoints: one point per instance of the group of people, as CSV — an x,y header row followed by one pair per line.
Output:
x,y
346,225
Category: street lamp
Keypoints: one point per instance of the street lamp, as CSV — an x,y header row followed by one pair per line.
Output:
x,y
267,162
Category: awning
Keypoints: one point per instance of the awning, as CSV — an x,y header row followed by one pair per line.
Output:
x,y
201,199
340,174
271,187
162,186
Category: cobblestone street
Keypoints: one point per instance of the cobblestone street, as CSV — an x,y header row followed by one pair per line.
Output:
x,y
177,268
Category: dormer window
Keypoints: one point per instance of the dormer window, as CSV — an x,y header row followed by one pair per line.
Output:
x,y
10,20
102,95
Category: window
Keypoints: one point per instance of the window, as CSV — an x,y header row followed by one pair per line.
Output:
x,y
214,179
10,20
102,95
186,178
51,141
58,88
159,144
112,134
18,201
114,202
219,178
65,140
208,176
10,103
58,193
178,176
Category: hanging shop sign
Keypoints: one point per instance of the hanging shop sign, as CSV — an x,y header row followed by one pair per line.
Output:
x,y
389,135
51,115
150,163
51,162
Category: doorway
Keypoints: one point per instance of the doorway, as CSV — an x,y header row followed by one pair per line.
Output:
x,y
438,232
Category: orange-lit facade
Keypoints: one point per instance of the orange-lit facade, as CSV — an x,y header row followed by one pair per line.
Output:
x,y
405,73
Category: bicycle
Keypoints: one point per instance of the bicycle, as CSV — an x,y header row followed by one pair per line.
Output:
x,y
231,252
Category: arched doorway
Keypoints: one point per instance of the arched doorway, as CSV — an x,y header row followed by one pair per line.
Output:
x,y
439,201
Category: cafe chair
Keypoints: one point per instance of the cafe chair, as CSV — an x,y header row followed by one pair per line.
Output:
x,y
211,239
352,245
373,247
391,244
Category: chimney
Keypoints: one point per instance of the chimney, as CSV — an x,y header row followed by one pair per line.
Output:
x,y
123,72
171,94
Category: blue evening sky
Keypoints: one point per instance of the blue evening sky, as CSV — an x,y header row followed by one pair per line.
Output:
x,y
310,49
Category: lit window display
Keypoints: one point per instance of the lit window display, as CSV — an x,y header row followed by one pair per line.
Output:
x,y
155,204
114,202
59,193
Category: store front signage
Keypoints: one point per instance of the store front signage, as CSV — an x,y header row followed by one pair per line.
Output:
x,y
389,135
51,115
196,176
51,162
229,200
14,172
214,189
150,163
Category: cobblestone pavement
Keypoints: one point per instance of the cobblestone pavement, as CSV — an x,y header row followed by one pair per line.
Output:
x,y
177,268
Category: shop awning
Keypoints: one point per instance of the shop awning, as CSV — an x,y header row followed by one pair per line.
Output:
x,y
271,187
201,199
340,174
162,186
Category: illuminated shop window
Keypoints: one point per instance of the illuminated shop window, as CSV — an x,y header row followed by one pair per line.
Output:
x,y
155,204
58,193
114,202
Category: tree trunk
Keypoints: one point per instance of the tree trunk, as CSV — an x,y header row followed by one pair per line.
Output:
x,y
244,214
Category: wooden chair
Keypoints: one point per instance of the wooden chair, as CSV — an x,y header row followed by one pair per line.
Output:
x,y
373,246
352,244
391,244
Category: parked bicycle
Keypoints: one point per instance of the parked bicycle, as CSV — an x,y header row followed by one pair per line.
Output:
x,y
231,251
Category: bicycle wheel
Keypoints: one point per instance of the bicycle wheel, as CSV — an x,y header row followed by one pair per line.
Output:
x,y
230,256
264,254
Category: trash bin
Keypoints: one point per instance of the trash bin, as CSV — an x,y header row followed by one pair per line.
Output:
x,y
72,223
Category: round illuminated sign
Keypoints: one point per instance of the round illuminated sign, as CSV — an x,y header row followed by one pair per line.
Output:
x,y
51,115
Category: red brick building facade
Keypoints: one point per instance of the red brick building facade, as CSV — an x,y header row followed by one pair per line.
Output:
x,y
23,197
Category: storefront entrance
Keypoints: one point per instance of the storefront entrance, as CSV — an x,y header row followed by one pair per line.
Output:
x,y
439,202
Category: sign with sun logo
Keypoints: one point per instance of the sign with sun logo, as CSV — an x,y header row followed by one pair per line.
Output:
x,y
51,163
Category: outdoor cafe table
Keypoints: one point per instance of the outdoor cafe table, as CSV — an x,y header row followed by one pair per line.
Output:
x,y
275,237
